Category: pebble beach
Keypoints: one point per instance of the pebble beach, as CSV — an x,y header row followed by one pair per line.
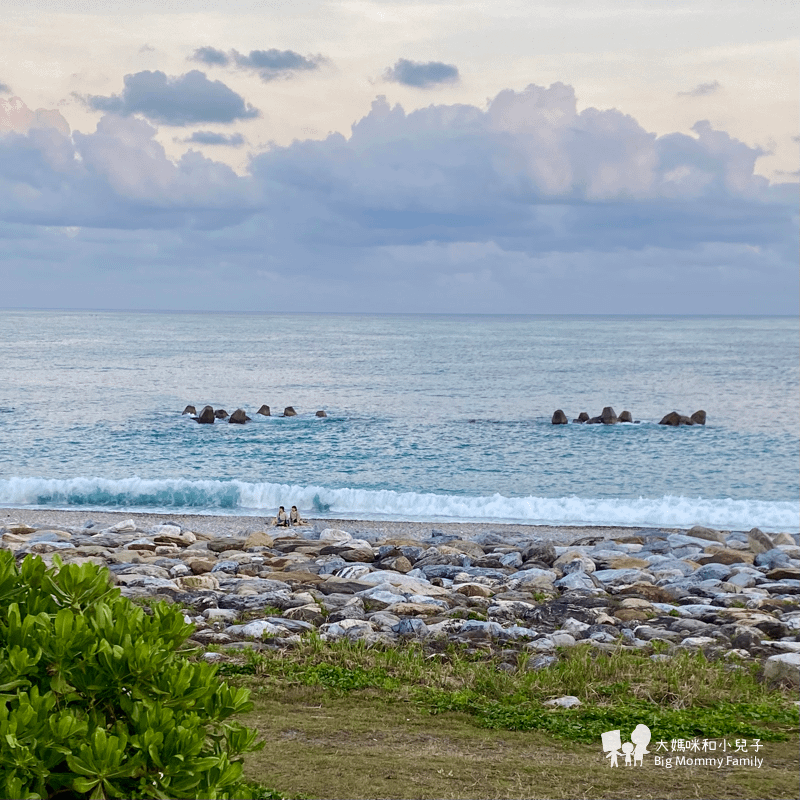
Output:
x,y
245,584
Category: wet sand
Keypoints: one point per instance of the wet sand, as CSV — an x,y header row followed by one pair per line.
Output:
x,y
374,530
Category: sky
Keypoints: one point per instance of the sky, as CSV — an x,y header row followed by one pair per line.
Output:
x,y
445,156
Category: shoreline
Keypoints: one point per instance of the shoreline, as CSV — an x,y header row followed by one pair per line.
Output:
x,y
378,529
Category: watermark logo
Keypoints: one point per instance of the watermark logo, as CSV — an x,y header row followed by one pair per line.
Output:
x,y
680,752
633,751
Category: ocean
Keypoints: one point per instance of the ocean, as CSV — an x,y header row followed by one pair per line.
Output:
x,y
428,417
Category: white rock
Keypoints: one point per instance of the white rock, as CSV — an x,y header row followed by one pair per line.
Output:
x,y
213,657
785,666
335,535
694,642
406,583
448,627
574,626
257,628
352,571
220,614
126,526
567,701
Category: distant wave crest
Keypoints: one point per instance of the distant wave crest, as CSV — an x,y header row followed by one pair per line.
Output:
x,y
239,497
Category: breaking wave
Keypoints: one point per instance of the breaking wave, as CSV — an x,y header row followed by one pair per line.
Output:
x,y
240,497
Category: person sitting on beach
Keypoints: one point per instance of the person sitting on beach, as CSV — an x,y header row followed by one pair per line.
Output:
x,y
294,517
282,520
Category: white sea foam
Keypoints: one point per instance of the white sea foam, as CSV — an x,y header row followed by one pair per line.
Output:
x,y
229,497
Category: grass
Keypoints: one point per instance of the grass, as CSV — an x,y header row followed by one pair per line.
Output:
x,y
352,721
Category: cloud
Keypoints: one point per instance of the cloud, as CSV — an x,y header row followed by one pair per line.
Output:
x,y
211,138
273,64
4,88
421,75
270,64
525,206
702,90
210,56
16,116
147,48
181,100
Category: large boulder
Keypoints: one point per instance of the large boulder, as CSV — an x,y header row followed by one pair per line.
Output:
x,y
238,417
559,418
759,541
582,417
206,416
221,413
264,410
190,410
289,412
675,419
608,416
321,414
626,416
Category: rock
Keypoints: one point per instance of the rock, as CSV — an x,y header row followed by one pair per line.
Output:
x,y
559,418
206,416
21,530
189,410
171,534
289,412
784,667
320,413
582,417
309,613
724,556
411,627
541,662
334,535
198,582
619,577
477,629
358,554
531,580
398,564
346,628
227,543
199,566
575,580
238,417
126,526
759,541
221,413
352,571
784,574
264,411
626,416
257,539
472,590
142,544
545,552
673,418
699,417
567,701
699,532
608,417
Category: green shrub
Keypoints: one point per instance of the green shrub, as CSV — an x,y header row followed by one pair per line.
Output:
x,y
96,700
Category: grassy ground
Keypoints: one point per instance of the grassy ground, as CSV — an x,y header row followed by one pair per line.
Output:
x,y
342,721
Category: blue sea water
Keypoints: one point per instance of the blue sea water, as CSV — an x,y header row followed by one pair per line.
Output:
x,y
429,417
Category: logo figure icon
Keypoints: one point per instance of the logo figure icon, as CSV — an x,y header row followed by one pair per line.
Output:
x,y
634,751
